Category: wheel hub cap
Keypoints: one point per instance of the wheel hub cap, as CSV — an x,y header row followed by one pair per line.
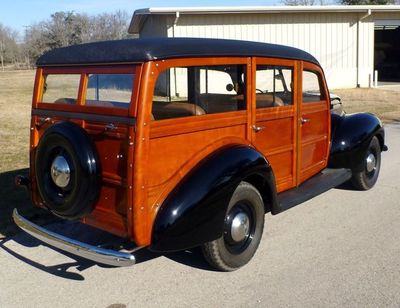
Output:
x,y
371,162
60,171
240,227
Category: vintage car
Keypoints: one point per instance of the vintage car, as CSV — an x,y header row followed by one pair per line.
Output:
x,y
176,143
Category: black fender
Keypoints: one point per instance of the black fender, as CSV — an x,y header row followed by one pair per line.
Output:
x,y
195,210
351,135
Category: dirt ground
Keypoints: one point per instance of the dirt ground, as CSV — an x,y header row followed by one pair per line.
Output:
x,y
15,102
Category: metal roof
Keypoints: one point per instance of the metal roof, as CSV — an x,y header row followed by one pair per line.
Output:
x,y
140,15
147,49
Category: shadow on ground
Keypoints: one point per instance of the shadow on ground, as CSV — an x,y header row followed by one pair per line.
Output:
x,y
13,197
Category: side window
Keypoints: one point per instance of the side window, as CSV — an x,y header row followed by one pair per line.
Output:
x,y
61,88
199,90
109,90
273,86
312,87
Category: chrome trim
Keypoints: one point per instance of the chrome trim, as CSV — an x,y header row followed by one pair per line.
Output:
x,y
240,227
370,162
94,253
60,171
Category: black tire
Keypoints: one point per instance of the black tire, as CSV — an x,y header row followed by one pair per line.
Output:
x,y
366,179
79,190
226,253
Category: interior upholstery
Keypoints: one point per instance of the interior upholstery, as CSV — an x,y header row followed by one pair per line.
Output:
x,y
268,100
167,110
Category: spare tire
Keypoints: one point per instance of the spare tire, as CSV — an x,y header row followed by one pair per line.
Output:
x,y
67,170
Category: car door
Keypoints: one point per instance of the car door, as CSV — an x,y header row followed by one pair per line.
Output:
x,y
314,122
275,116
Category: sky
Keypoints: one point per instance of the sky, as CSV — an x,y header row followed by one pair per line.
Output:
x,y
17,14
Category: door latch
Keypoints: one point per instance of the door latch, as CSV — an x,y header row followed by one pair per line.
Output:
x,y
304,120
257,128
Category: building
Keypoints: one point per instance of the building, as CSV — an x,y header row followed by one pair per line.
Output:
x,y
351,42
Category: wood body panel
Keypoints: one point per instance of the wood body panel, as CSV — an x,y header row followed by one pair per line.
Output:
x,y
168,149
277,139
314,130
143,161
113,146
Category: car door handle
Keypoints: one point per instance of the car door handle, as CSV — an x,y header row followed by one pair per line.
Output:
x,y
304,120
257,128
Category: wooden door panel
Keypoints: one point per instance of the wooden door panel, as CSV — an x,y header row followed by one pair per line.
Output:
x,y
170,154
277,138
314,125
276,142
112,149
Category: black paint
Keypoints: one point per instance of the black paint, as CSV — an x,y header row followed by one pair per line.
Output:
x,y
195,210
149,49
351,135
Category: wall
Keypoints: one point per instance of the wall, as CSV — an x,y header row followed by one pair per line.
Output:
x,y
330,37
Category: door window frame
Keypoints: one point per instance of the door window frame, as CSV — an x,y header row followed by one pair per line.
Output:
x,y
182,125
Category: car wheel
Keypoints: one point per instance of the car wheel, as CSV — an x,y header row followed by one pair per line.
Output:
x,y
366,179
67,170
243,228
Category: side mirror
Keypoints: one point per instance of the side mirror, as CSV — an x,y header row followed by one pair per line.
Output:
x,y
336,104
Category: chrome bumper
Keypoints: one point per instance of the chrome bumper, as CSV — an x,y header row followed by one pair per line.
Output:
x,y
100,255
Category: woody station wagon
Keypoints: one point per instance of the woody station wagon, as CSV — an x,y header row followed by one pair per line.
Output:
x,y
179,143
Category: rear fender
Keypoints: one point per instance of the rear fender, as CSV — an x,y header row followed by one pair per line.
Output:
x,y
194,211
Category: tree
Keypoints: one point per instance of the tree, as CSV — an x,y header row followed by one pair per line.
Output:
x,y
303,2
9,51
69,28
366,2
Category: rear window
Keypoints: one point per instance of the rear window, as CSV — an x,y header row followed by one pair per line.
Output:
x,y
61,89
102,90
109,90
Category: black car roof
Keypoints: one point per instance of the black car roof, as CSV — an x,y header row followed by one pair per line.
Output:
x,y
147,49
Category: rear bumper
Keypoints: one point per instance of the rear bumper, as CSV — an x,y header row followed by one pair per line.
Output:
x,y
94,253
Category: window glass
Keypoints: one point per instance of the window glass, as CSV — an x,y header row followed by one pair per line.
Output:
x,y
61,88
109,90
273,86
199,90
311,87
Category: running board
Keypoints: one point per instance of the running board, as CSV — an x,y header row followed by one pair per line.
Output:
x,y
318,184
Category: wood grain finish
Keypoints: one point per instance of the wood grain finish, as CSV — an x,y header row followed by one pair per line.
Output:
x,y
143,162
167,149
278,138
114,146
315,133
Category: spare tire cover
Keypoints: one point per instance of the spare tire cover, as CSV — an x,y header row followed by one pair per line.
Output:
x,y
67,170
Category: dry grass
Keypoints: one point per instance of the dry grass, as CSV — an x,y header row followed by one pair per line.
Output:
x,y
15,100
382,102
15,105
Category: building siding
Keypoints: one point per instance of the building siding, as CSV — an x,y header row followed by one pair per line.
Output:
x,y
342,42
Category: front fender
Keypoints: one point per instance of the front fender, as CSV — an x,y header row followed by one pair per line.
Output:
x,y
195,210
351,135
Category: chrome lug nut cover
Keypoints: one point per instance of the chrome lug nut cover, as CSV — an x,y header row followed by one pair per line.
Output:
x,y
240,227
60,172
